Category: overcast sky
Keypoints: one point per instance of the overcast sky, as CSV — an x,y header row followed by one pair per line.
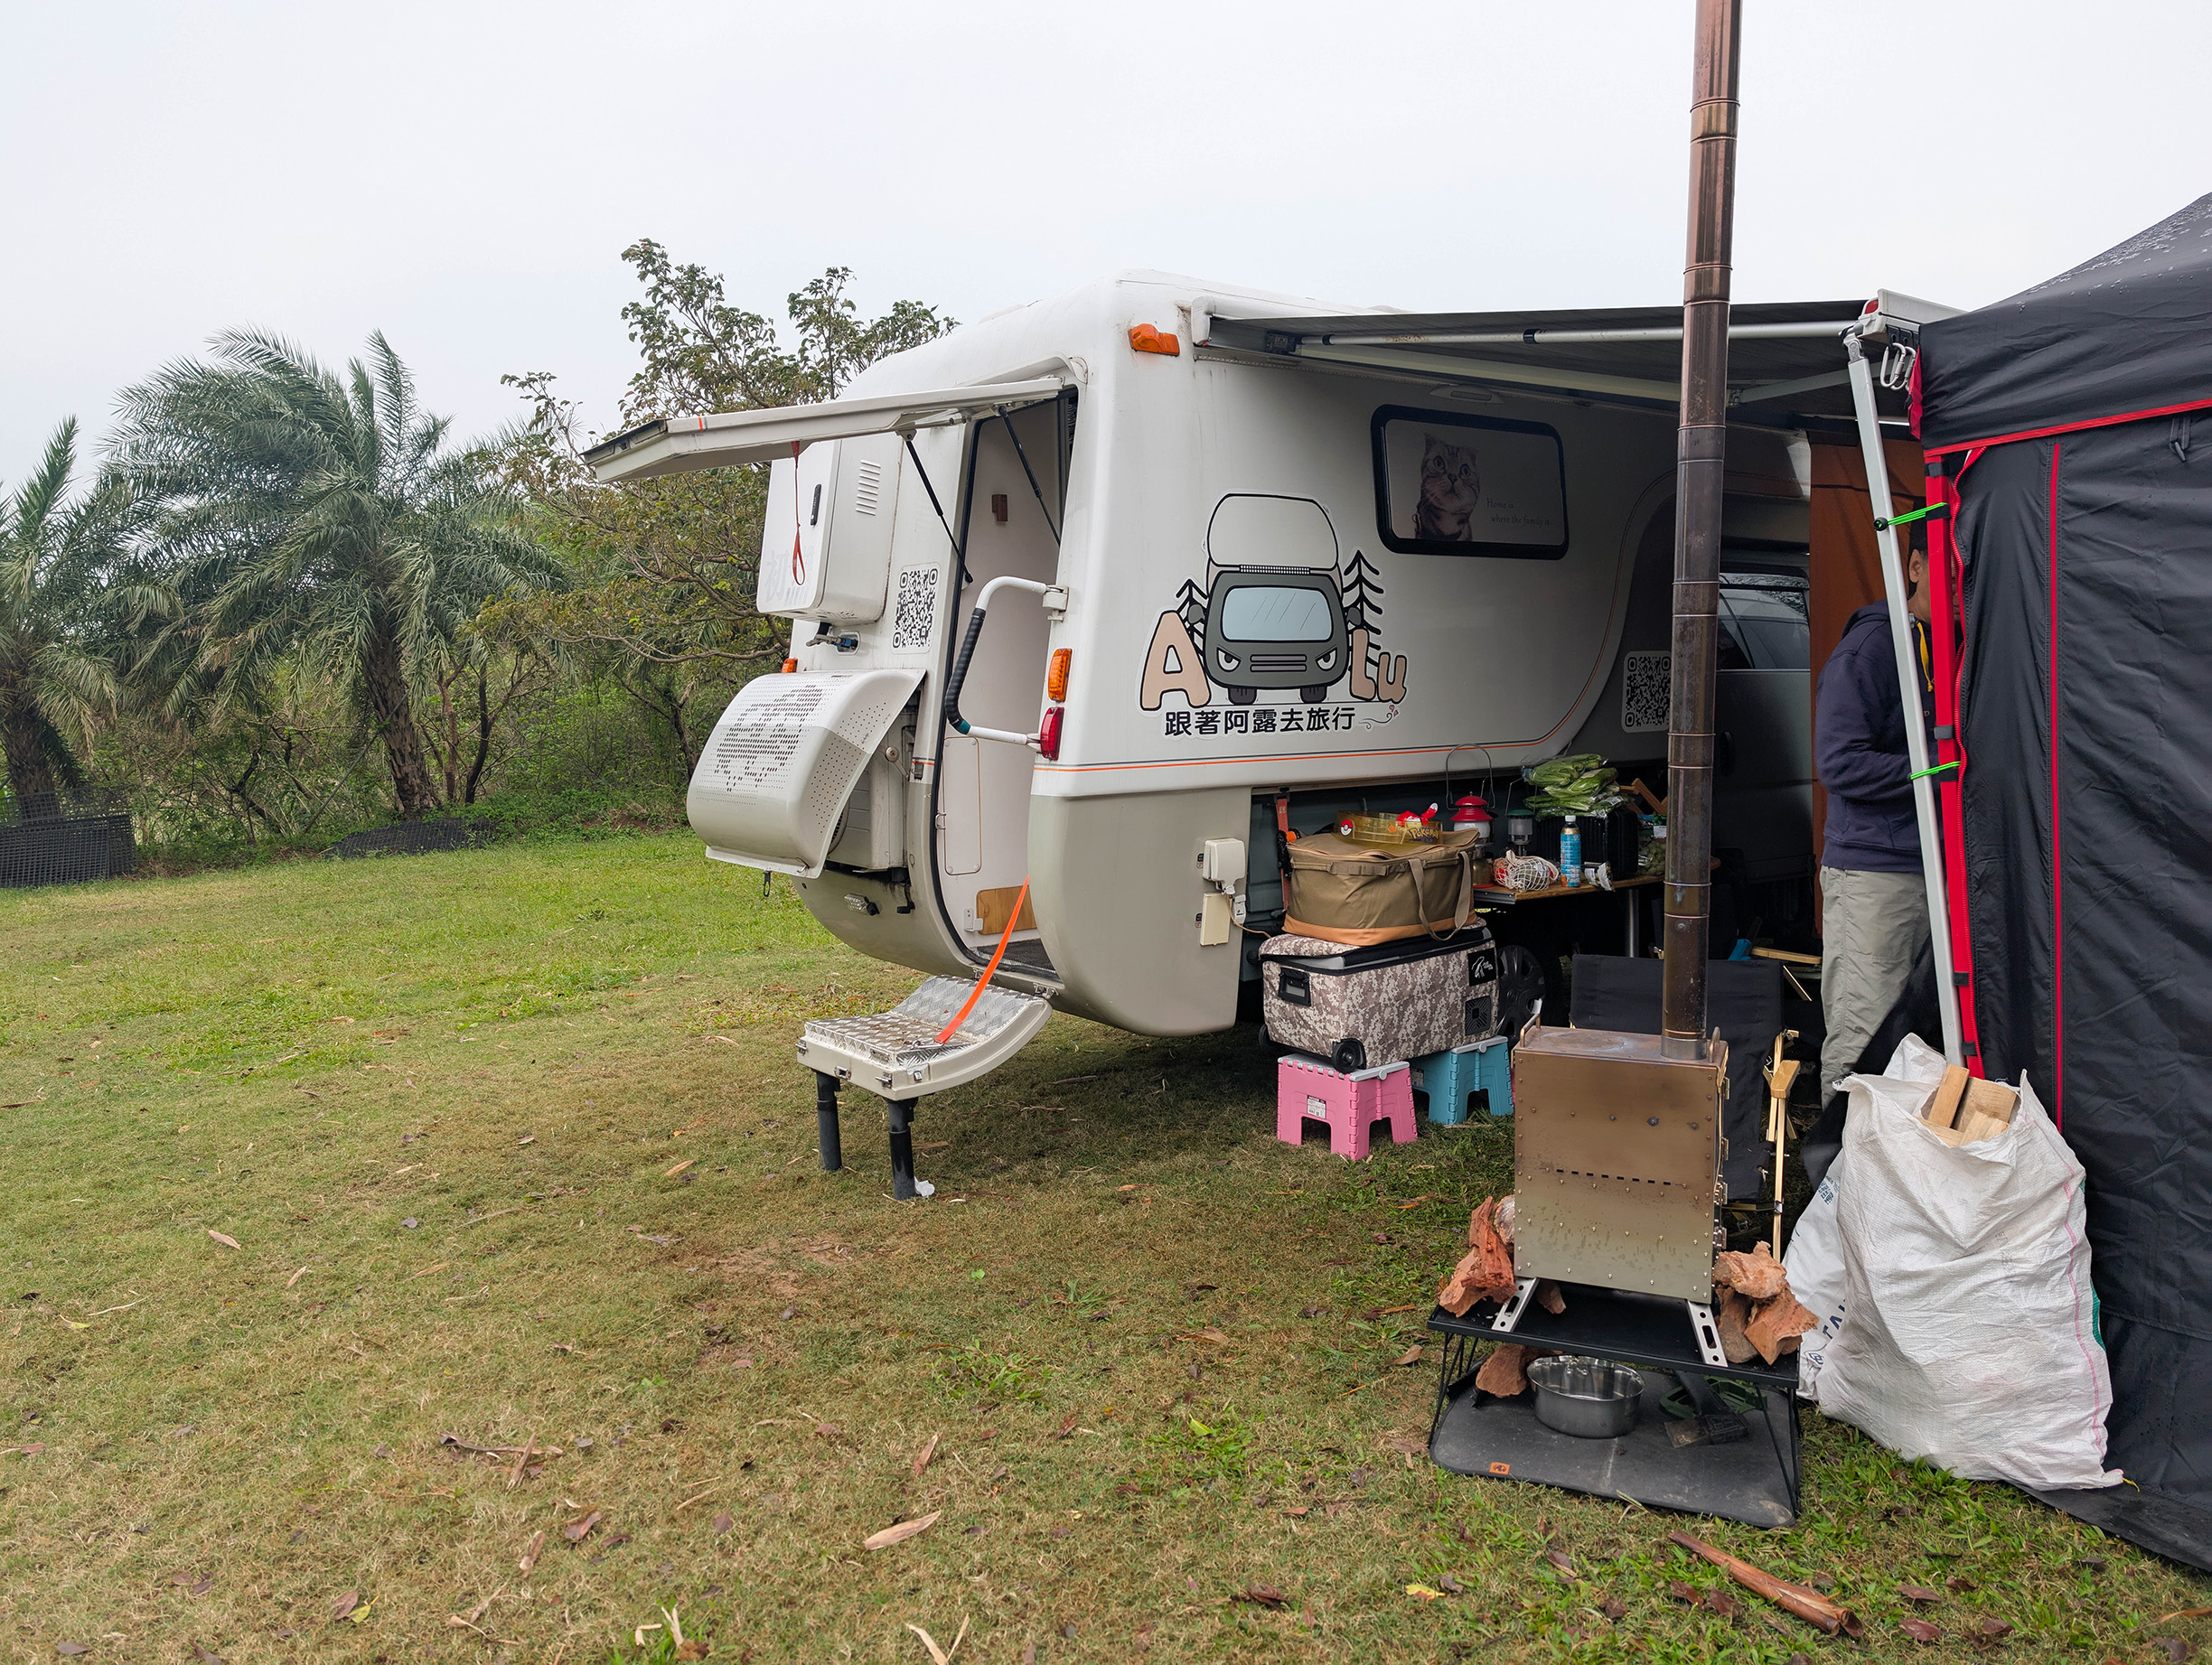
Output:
x,y
465,176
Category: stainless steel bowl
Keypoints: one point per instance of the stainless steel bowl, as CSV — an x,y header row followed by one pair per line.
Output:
x,y
1592,1398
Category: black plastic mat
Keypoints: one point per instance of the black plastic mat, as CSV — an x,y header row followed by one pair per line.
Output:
x,y
2144,1518
1749,1481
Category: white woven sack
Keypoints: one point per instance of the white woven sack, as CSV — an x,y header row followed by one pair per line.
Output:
x,y
1969,1336
1815,1262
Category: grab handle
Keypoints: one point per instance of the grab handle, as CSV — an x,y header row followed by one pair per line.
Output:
x,y
1056,601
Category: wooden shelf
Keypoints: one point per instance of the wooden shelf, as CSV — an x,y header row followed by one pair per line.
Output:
x,y
1492,895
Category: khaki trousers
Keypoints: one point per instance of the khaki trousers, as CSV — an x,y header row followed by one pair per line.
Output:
x,y
1872,925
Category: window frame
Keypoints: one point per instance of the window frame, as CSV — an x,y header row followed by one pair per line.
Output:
x,y
1378,426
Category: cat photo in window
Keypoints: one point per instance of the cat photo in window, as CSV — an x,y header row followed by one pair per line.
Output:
x,y
1450,487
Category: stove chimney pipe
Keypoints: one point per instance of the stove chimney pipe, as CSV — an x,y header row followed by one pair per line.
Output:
x,y
1700,462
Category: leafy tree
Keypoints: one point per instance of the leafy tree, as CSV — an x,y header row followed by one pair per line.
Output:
x,y
319,518
65,589
673,563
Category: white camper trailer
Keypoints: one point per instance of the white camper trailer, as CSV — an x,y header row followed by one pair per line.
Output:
x,y
1232,548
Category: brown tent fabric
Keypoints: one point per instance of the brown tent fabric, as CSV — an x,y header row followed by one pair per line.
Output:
x,y
1846,566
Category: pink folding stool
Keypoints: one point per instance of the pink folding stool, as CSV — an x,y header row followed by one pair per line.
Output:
x,y
1308,1089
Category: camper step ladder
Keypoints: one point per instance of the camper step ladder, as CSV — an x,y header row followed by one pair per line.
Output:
x,y
897,1056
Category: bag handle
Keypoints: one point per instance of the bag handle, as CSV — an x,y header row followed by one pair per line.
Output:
x,y
1467,896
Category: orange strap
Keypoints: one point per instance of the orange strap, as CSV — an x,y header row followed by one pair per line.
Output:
x,y
1005,937
798,560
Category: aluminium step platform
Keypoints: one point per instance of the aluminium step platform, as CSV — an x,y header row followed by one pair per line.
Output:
x,y
897,1054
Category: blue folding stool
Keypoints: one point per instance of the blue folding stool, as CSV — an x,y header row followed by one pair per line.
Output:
x,y
1452,1079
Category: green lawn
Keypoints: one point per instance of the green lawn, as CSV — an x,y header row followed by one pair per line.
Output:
x,y
513,1148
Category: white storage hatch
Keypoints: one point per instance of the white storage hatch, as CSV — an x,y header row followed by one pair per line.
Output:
x,y
783,760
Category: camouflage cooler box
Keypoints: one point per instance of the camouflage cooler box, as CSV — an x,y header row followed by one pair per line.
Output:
x,y
1363,1006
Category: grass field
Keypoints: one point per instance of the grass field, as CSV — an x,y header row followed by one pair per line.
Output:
x,y
514,1152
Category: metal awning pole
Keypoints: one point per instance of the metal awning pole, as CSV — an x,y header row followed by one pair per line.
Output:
x,y
1701,463
1908,684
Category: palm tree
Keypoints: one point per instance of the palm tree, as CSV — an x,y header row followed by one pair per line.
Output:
x,y
62,583
321,517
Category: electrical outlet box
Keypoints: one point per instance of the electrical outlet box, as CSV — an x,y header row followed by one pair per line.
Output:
x,y
1216,919
1224,862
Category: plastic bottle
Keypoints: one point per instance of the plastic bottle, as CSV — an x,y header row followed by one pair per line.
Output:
x,y
1570,856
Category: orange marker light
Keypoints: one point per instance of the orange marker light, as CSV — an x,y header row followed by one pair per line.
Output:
x,y
1055,679
789,665
1144,338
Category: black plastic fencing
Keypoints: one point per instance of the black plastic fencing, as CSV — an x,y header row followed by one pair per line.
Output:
x,y
56,840
416,838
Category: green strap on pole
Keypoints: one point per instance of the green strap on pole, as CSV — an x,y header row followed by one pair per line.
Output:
x,y
1934,768
1933,511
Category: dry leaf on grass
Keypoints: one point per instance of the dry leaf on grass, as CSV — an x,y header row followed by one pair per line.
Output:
x,y
723,1521
1067,1427
1997,1630
344,1605
940,1656
1424,1591
680,1167
71,1648
477,1611
1921,1593
900,1533
1207,1334
529,1556
922,1457
227,1242
1260,1595
1919,1630
574,1531
1560,1559
1410,1356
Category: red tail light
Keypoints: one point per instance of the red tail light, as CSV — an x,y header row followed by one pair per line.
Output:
x,y
1048,732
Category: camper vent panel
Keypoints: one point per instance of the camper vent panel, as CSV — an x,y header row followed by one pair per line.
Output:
x,y
868,488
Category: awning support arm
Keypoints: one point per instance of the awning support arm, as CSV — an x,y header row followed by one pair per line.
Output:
x,y
1908,684
1036,489
966,578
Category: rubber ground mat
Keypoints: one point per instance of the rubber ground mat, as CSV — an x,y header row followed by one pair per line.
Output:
x,y
2160,1524
1751,1479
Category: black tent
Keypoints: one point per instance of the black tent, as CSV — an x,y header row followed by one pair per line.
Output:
x,y
2072,428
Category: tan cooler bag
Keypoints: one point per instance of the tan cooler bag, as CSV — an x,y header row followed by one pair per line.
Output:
x,y
1343,891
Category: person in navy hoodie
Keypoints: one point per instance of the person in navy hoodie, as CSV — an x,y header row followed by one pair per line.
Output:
x,y
1873,897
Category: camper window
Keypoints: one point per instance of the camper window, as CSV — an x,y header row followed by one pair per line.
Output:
x,y
1764,622
1448,483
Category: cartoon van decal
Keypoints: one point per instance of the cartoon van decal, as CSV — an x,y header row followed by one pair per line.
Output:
x,y
1281,613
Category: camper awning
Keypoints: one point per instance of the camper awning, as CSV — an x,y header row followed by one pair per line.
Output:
x,y
678,445
1785,360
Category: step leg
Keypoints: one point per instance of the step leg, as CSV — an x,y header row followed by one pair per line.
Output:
x,y
826,1120
901,1149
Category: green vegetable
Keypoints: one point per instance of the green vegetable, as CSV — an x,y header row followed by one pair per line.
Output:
x,y
1581,784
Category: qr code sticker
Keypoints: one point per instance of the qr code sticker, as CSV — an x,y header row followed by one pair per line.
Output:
x,y
917,606
1645,688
